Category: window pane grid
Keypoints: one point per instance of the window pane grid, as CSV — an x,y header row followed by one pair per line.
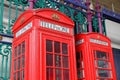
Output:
x,y
19,59
102,64
101,55
56,63
80,65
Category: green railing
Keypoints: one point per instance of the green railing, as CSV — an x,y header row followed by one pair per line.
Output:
x,y
76,13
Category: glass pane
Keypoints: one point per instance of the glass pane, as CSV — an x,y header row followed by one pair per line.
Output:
x,y
49,45
15,76
23,47
78,59
15,52
15,65
65,62
23,61
80,73
18,63
104,73
57,60
49,74
18,76
66,75
22,73
57,47
101,55
102,64
19,49
64,48
58,74
49,60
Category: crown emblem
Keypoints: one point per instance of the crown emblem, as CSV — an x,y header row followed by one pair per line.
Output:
x,y
22,20
55,16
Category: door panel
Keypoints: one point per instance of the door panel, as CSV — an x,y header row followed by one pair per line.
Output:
x,y
57,58
102,63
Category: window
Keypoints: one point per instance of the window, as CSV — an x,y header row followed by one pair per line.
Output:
x,y
49,61
49,74
101,55
23,47
49,46
15,65
57,47
80,65
64,48
66,75
65,62
102,64
57,60
19,61
58,74
15,52
104,73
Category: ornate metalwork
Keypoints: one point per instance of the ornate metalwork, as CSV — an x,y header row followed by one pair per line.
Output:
x,y
76,13
1,15
72,8
5,60
95,24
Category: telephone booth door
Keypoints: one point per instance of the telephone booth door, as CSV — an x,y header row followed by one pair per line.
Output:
x,y
94,57
57,58
103,63
47,38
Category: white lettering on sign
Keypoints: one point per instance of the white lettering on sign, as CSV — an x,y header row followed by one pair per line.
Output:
x,y
21,31
99,42
79,41
54,26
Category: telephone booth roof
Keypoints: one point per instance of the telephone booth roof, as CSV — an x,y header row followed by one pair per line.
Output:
x,y
93,36
43,13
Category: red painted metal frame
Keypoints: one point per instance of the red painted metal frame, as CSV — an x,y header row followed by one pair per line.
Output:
x,y
87,47
35,48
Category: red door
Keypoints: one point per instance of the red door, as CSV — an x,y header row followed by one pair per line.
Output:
x,y
57,58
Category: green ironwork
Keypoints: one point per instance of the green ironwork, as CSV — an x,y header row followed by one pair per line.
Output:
x,y
77,15
95,24
18,3
18,6
5,60
1,15
104,27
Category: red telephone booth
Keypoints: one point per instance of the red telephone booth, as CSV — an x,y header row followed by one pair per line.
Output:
x,y
43,46
94,57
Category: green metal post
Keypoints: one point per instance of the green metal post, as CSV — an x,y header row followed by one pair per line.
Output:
x,y
2,66
6,68
1,15
9,18
104,27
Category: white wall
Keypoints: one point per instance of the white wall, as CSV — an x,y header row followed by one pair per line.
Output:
x,y
113,32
